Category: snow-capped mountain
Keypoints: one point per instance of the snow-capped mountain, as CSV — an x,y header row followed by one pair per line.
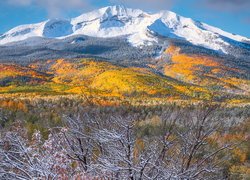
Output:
x,y
138,27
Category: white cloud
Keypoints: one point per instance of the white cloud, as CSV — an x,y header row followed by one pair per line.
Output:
x,y
55,8
227,5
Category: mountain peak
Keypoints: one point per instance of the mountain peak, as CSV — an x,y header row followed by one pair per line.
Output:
x,y
140,28
110,11
116,8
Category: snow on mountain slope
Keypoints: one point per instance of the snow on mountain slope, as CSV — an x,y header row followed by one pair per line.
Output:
x,y
140,28
187,29
115,21
57,28
22,32
49,29
223,33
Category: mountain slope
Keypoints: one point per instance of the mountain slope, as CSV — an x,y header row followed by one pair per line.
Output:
x,y
104,79
207,71
138,27
98,78
133,53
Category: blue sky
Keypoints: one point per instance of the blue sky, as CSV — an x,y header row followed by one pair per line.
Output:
x,y
230,15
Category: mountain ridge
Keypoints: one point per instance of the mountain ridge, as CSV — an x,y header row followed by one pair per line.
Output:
x,y
138,27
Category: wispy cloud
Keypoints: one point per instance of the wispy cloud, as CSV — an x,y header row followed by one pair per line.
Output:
x,y
227,5
246,20
55,8
241,7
